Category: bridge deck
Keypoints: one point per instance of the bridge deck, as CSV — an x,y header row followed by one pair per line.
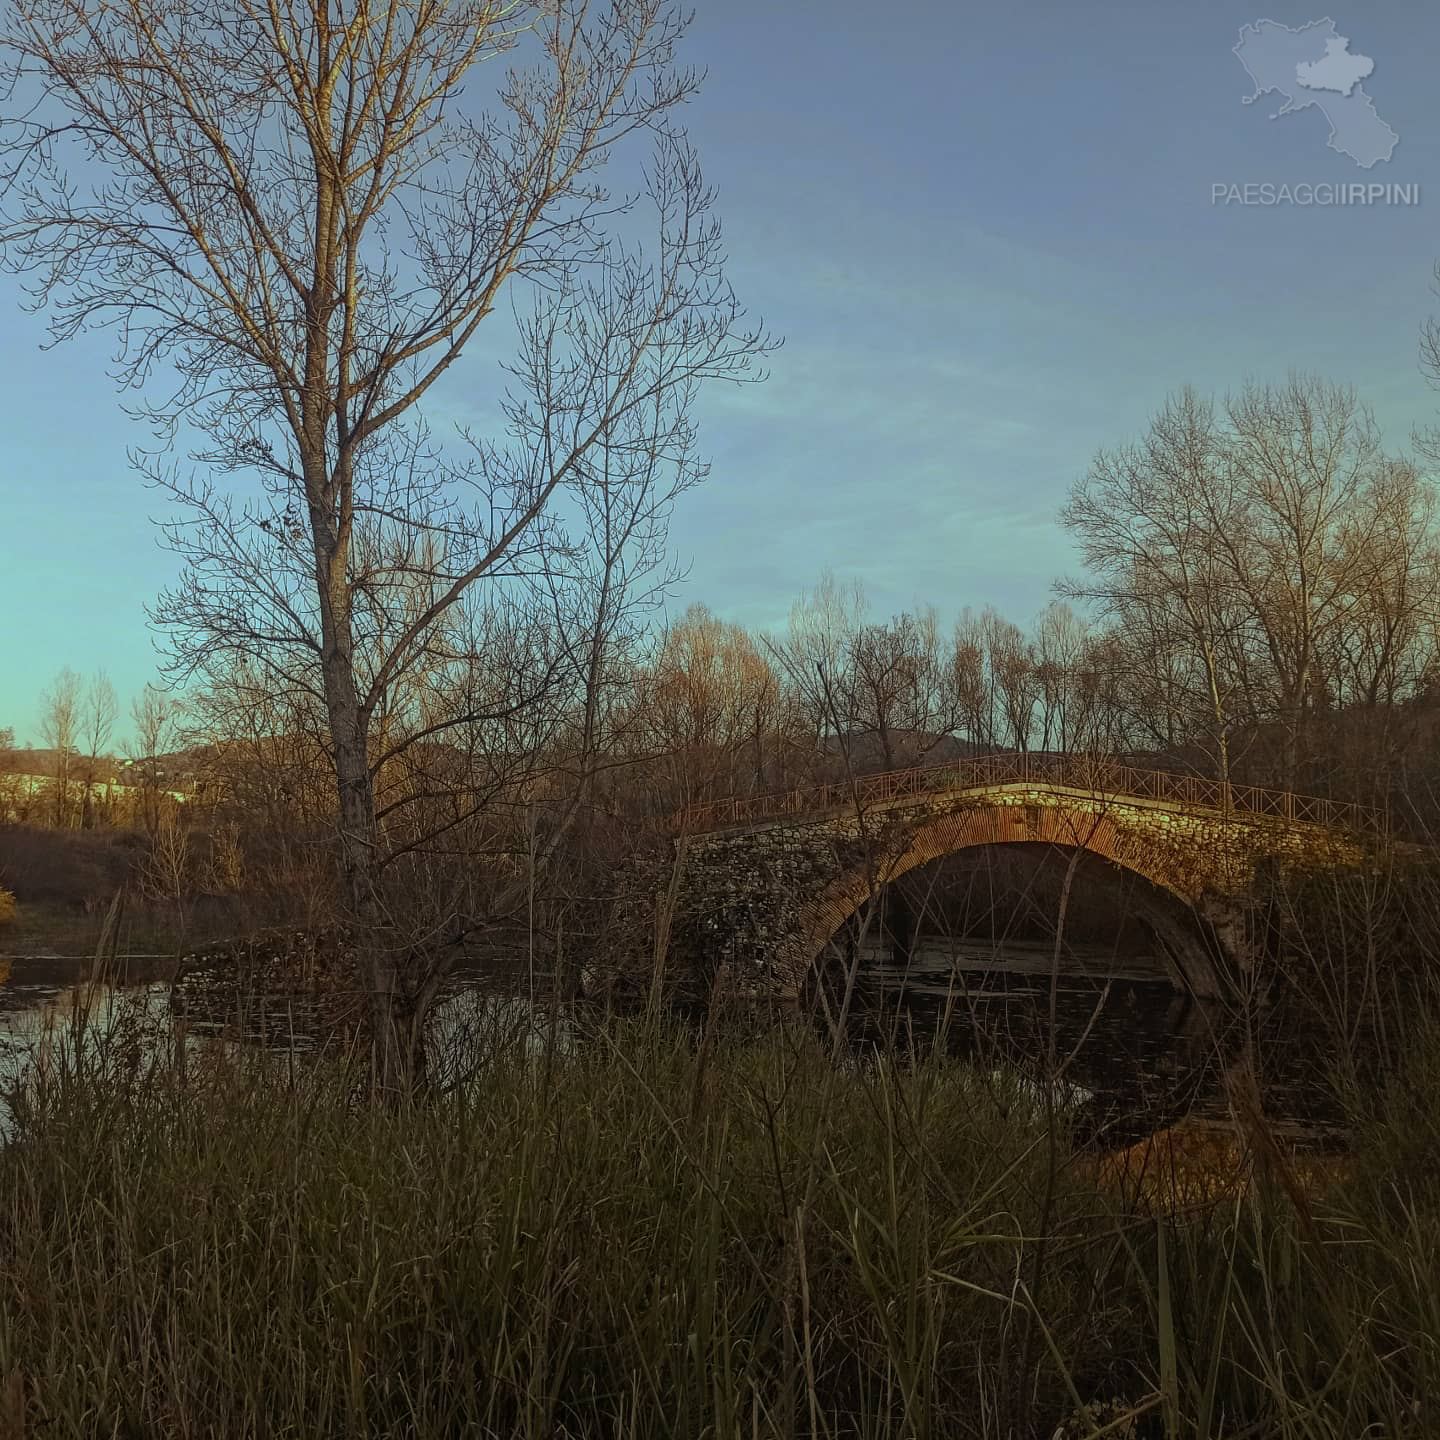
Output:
x,y
1095,774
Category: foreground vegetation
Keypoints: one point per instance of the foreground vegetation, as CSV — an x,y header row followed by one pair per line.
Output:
x,y
637,1233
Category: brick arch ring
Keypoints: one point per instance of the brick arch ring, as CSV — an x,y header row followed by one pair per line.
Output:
x,y
1071,828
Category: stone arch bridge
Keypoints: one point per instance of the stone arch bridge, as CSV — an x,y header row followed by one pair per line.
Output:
x,y
754,889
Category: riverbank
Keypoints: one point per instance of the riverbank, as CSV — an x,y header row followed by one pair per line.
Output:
x,y
143,931
639,1235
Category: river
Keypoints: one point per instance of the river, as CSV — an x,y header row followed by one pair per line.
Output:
x,y
1138,1053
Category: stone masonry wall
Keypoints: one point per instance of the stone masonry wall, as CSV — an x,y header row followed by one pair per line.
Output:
x,y
759,905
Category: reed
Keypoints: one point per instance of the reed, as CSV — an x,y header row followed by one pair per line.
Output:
x,y
622,1233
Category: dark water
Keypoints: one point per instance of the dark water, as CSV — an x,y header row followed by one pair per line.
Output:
x,y
1139,1053
44,996
1135,1052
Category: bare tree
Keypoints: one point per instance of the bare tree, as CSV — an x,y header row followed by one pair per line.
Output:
x,y
815,653
1304,455
996,680
1015,681
1260,567
60,729
297,212
264,764
99,711
1061,647
13,789
971,680
713,704
1150,519
1105,718
901,691
1385,649
153,727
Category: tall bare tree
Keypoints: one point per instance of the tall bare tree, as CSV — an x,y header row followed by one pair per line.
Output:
x,y
996,678
1305,455
1151,519
14,794
152,719
60,729
713,707
1015,681
814,654
901,690
970,680
99,710
297,220
1260,564
1062,648
1385,649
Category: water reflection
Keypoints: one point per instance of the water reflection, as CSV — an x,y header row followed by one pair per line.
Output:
x,y
49,1001
1138,1052
1143,1053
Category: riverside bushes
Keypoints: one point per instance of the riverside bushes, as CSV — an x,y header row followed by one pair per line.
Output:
x,y
634,1235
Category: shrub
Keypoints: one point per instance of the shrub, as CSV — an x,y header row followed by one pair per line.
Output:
x,y
8,908
69,868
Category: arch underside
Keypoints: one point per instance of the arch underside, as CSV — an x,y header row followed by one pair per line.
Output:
x,y
1167,867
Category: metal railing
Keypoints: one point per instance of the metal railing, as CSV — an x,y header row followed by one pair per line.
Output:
x,y
1096,774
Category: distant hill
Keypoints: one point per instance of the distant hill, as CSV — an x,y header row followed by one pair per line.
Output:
x,y
175,770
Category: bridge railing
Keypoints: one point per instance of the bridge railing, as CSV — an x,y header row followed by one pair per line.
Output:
x,y
1098,774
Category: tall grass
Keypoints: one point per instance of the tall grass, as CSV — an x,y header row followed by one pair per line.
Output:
x,y
632,1235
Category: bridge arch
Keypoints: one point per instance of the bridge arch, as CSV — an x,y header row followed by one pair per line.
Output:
x,y
1082,825
754,888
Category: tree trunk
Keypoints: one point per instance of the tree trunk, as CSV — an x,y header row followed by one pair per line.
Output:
x,y
390,1034
394,1028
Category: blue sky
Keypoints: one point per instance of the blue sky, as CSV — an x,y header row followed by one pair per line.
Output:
x,y
987,236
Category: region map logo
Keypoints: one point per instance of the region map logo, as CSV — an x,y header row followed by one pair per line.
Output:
x,y
1313,68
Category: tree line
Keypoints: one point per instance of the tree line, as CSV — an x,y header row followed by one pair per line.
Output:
x,y
88,774
1258,604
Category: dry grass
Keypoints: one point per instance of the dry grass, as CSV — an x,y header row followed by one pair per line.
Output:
x,y
628,1235
1189,1167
